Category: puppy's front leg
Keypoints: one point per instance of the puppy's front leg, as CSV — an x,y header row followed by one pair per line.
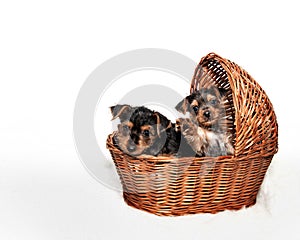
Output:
x,y
228,145
193,134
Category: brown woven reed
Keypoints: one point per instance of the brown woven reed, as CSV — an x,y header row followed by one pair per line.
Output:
x,y
178,186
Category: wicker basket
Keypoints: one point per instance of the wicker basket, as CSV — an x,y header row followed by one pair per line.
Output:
x,y
179,186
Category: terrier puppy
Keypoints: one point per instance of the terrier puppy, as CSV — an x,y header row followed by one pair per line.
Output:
x,y
143,131
206,129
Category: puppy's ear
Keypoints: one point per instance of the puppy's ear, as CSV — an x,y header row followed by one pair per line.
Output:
x,y
157,115
183,106
223,92
162,122
121,111
218,92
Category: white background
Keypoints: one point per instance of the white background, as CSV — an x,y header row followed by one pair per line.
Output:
x,y
47,51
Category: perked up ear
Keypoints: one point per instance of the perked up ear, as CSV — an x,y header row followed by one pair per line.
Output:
x,y
121,111
157,123
161,123
219,92
183,106
223,92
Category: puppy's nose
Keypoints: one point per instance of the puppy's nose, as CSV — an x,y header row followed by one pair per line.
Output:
x,y
206,114
131,147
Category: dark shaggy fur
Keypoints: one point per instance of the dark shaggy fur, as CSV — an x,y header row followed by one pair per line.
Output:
x,y
143,131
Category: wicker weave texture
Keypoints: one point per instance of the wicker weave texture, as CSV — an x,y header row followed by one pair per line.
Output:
x,y
179,186
253,124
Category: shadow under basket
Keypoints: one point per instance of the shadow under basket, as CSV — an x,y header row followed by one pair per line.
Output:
x,y
173,186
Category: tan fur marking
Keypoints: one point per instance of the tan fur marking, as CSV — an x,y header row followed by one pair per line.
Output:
x,y
129,124
211,97
194,103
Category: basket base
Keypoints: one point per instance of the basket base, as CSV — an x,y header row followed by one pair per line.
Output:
x,y
163,210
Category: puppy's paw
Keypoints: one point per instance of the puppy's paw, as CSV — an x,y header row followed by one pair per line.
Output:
x,y
186,126
193,134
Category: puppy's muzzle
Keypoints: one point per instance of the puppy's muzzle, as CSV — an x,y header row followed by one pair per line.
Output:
x,y
131,145
131,148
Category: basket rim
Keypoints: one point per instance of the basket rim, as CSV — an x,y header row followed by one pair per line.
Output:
x,y
167,159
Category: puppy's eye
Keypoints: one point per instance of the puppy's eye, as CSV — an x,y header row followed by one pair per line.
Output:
x,y
125,128
213,102
146,133
196,109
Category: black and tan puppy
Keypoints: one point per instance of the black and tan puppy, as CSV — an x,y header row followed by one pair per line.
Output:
x,y
143,131
206,129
